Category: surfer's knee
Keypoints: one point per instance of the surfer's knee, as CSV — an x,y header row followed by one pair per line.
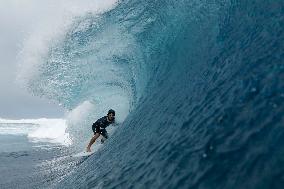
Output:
x,y
96,135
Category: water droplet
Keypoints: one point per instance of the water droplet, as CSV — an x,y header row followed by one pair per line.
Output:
x,y
274,105
253,89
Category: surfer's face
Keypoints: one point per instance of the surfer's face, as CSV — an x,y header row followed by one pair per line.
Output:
x,y
110,117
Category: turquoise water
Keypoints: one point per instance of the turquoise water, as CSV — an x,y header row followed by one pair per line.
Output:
x,y
197,86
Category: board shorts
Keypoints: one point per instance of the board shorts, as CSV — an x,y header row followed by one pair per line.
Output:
x,y
101,131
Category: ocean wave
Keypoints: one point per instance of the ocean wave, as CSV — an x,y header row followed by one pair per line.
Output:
x,y
197,86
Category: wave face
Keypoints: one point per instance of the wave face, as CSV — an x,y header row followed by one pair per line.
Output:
x,y
199,85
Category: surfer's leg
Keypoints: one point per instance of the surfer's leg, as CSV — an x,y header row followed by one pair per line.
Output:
x,y
93,139
105,135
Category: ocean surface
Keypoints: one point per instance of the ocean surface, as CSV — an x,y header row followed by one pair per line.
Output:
x,y
198,89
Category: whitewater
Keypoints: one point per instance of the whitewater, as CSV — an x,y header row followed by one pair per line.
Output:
x,y
197,87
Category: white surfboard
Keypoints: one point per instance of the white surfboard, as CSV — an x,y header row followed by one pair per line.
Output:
x,y
82,154
96,147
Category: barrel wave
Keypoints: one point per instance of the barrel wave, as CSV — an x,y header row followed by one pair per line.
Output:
x,y
197,85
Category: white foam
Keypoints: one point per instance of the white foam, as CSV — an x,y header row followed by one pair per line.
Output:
x,y
80,113
38,130
16,128
51,130
46,24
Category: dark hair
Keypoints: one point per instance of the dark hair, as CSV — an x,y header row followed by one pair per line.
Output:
x,y
111,111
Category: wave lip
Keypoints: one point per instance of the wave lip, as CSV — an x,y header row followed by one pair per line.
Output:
x,y
58,63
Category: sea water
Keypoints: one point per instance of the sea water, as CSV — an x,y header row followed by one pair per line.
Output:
x,y
197,86
26,156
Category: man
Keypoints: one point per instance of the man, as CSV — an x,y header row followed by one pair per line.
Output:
x,y
99,127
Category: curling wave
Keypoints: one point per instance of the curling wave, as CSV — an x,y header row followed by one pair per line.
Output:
x,y
197,84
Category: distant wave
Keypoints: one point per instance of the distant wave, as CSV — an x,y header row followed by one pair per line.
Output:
x,y
48,130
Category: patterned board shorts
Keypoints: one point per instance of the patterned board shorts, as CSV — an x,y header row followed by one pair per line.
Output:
x,y
101,131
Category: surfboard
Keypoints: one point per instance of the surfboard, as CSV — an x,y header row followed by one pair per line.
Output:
x,y
83,154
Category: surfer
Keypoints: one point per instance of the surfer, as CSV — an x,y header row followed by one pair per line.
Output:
x,y
99,128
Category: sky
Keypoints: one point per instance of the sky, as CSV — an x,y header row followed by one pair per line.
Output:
x,y
16,20
15,100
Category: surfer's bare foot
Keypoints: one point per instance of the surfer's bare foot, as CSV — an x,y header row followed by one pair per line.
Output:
x,y
88,149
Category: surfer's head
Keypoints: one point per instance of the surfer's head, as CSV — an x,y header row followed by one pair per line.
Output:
x,y
111,115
